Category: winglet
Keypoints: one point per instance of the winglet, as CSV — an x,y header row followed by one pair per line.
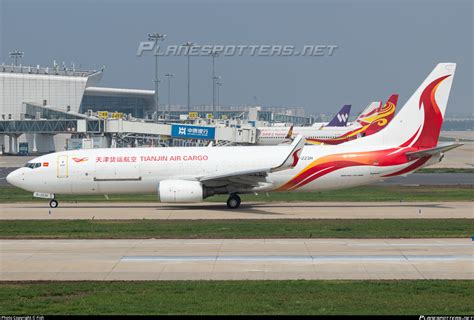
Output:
x,y
293,156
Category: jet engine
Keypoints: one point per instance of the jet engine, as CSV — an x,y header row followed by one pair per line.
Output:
x,y
180,191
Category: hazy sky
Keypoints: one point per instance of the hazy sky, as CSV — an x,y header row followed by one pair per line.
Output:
x,y
383,46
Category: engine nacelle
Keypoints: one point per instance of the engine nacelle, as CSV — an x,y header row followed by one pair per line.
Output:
x,y
180,191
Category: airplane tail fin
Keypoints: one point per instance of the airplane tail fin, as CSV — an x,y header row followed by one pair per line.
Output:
x,y
419,122
290,133
383,116
341,118
365,117
388,109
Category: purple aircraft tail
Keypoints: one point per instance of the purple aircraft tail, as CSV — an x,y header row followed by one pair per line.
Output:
x,y
340,119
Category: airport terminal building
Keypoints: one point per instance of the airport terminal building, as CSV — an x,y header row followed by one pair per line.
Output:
x,y
68,90
44,108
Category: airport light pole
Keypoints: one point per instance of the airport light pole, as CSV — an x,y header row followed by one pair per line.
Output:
x,y
156,37
189,45
215,80
214,55
218,85
16,54
169,75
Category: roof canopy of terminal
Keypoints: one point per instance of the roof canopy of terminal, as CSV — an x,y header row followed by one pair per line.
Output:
x,y
52,71
99,91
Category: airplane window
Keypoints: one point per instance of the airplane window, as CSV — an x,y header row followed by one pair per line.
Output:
x,y
33,165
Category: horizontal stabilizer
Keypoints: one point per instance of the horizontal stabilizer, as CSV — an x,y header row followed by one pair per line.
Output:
x,y
440,148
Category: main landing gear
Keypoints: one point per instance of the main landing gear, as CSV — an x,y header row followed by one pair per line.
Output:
x,y
234,201
53,203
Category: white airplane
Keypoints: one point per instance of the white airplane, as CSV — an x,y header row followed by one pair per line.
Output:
x,y
275,135
182,175
373,119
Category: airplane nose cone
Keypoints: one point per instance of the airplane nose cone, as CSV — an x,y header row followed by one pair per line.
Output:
x,y
13,178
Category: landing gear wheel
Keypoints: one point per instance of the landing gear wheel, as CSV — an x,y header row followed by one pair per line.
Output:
x,y
233,202
53,204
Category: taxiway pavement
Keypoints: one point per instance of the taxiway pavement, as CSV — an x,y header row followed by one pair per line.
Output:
x,y
236,259
256,210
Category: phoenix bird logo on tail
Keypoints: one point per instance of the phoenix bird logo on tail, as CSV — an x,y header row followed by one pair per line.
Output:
x,y
433,118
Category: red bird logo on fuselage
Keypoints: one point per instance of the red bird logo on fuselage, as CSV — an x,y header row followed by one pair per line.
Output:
x,y
80,159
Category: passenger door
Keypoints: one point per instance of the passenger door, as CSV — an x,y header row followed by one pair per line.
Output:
x,y
62,167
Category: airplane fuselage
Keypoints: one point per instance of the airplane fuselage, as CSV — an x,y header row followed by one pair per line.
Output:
x,y
140,170
278,135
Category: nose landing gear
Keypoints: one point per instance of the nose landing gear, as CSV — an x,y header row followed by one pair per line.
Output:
x,y
234,201
53,203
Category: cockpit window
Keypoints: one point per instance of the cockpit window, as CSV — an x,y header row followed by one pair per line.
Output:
x,y
33,165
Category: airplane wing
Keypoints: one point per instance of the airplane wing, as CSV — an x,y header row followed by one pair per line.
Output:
x,y
256,177
440,148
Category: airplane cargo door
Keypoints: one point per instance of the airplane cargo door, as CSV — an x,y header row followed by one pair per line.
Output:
x,y
117,177
62,169
117,172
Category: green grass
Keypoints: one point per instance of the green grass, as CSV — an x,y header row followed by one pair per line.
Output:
x,y
446,170
443,297
365,193
232,229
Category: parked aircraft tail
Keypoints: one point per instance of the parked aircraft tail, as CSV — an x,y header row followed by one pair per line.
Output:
x,y
341,118
383,116
365,117
290,133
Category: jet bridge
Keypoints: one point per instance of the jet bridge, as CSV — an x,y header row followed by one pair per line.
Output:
x,y
45,126
42,124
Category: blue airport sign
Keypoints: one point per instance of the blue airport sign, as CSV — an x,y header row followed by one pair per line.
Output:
x,y
192,132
